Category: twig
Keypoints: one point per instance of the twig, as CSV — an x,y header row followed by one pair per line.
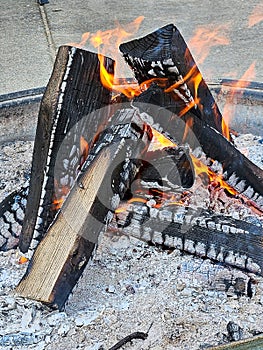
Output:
x,y
130,337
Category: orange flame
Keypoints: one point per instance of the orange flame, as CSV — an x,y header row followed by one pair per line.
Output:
x,y
205,38
201,168
229,107
256,15
159,141
107,43
84,150
188,124
58,201
195,77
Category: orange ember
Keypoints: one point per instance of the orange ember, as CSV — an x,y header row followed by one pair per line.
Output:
x,y
256,15
84,150
22,260
229,108
58,201
205,38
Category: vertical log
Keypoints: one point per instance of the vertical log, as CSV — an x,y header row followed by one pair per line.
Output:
x,y
73,92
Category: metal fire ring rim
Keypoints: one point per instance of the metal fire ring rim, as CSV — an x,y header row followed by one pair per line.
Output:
x,y
252,90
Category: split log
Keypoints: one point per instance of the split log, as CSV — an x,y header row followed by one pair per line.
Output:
x,y
164,54
73,92
196,231
63,253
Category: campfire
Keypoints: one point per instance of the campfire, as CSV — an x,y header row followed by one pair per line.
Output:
x,y
150,157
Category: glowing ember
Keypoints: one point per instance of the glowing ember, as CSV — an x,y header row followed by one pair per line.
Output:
x,y
22,260
84,150
256,15
61,194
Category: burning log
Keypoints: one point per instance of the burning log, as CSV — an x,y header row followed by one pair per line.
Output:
x,y
163,61
164,56
62,255
196,231
74,91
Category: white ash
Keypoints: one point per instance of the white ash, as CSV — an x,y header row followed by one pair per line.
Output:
x,y
251,146
15,160
128,286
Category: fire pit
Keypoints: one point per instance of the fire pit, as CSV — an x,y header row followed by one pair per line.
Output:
x,y
202,117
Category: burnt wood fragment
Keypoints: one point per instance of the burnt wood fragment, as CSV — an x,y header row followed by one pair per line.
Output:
x,y
170,167
63,253
73,92
164,54
196,231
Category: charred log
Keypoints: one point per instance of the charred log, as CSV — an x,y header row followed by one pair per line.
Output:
x,y
64,252
73,92
164,54
12,210
196,231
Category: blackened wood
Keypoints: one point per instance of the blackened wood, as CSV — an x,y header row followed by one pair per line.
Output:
x,y
164,54
73,92
12,210
170,167
196,231
129,338
162,114
63,253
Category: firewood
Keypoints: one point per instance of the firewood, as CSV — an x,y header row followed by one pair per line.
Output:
x,y
73,92
62,255
196,231
164,54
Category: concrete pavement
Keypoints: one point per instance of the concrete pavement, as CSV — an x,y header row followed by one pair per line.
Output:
x,y
31,34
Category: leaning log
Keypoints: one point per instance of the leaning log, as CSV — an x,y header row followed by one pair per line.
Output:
x,y
164,54
63,253
74,91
